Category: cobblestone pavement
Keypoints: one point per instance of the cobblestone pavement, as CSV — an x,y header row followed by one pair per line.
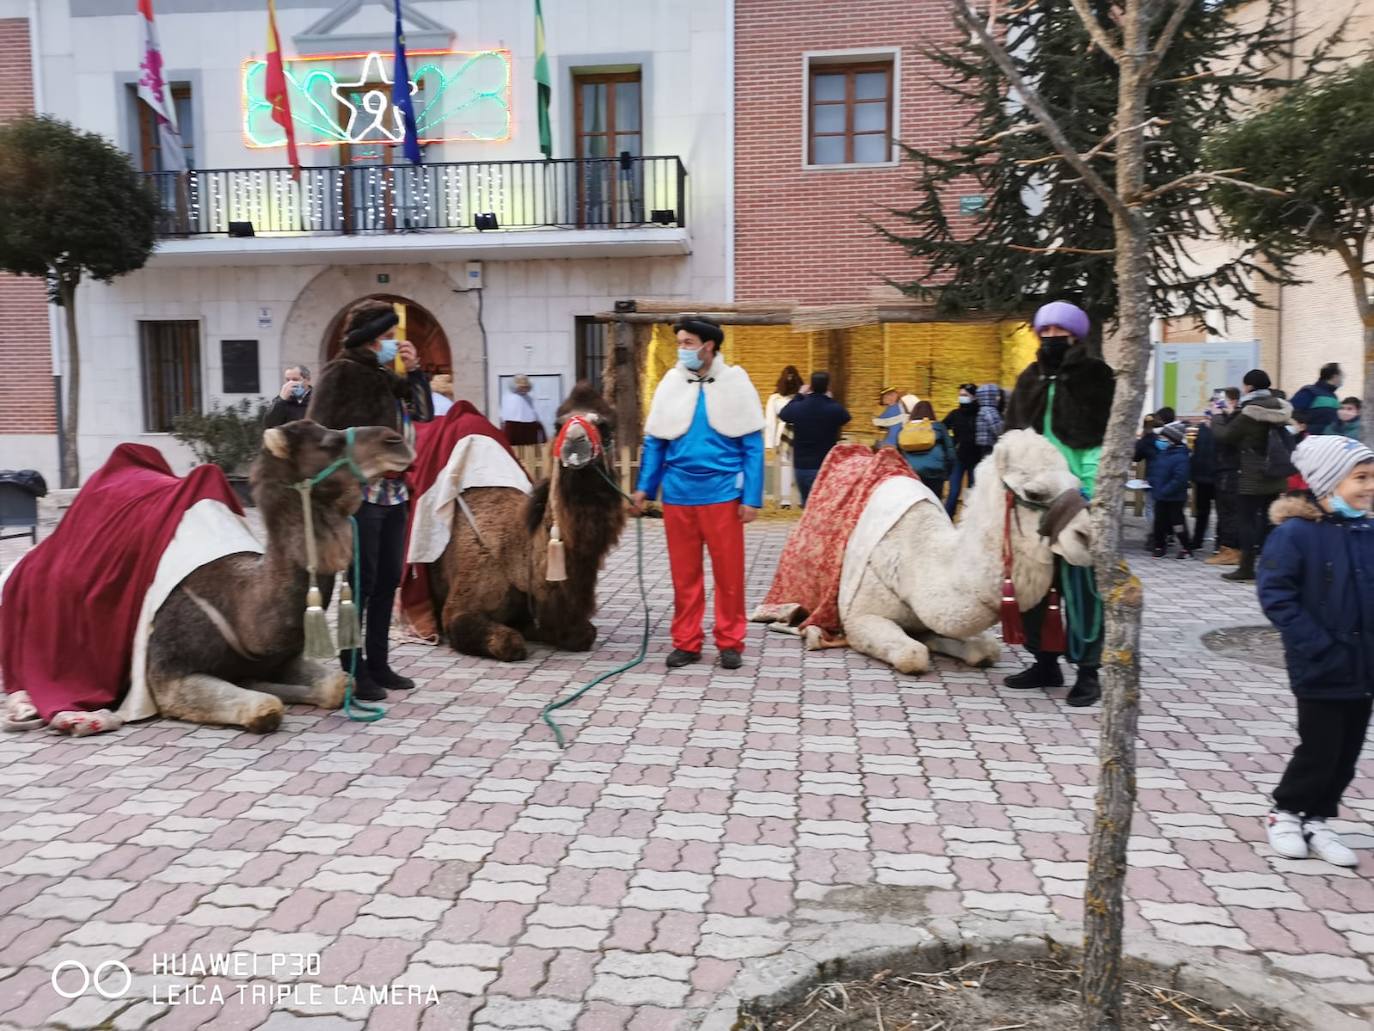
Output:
x,y
696,823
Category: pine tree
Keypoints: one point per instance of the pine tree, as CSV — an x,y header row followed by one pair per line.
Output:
x,y
1034,203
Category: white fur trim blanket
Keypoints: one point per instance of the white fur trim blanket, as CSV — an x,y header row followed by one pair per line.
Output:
x,y
733,407
886,505
476,461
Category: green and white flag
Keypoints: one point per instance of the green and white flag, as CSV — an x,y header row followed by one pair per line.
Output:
x,y
543,83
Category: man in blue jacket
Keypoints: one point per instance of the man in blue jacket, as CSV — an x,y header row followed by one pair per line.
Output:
x,y
703,445
816,419
1317,407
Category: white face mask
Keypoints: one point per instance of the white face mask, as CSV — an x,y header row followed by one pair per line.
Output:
x,y
964,399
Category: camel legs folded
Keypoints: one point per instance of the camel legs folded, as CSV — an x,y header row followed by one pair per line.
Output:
x,y
980,650
201,698
302,682
473,633
566,633
883,639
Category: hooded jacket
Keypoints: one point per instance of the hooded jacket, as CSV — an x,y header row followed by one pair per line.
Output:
x,y
1247,430
1166,468
1319,405
962,423
1084,386
1315,588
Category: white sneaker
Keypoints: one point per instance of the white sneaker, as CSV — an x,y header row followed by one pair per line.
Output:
x,y
1326,844
1286,834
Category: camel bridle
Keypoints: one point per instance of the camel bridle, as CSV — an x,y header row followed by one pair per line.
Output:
x,y
593,433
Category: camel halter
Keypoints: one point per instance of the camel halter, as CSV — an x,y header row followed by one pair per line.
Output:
x,y
318,643
555,561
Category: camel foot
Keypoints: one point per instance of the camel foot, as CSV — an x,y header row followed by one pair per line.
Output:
x,y
980,651
884,640
201,698
474,634
505,644
265,721
574,639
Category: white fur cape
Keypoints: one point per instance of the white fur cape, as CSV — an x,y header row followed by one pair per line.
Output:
x,y
733,407
476,461
887,504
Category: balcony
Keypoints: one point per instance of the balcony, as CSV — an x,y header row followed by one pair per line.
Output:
x,y
598,207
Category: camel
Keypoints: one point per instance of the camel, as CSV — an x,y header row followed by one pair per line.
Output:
x,y
929,585
226,645
491,580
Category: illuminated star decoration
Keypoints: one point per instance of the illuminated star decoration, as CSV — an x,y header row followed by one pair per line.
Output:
x,y
374,102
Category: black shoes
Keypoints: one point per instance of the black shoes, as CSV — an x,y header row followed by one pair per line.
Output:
x,y
730,659
1045,673
1087,689
365,689
1244,574
677,658
390,680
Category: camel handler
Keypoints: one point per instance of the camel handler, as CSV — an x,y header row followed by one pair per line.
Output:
x,y
359,388
1065,395
703,444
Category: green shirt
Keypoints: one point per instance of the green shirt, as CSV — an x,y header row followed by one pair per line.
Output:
x,y
1082,461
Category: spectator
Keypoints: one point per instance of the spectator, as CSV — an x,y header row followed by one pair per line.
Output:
x,y
1248,431
1166,468
1318,405
962,424
778,435
1202,470
359,388
933,464
441,393
1227,483
519,420
292,400
989,424
1348,418
1314,586
816,419
896,413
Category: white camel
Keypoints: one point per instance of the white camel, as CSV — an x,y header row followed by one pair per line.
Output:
x,y
913,582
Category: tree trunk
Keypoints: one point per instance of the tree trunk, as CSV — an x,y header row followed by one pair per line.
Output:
x,y
1367,422
1121,591
71,460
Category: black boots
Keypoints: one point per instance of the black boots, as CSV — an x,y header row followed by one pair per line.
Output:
x,y
1087,689
1045,673
1243,573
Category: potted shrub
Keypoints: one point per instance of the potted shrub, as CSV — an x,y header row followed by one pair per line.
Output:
x,y
228,437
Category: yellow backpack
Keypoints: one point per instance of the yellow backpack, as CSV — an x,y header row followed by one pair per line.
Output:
x,y
917,436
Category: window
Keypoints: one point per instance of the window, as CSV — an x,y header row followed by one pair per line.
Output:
x,y
591,350
607,125
849,120
171,372
238,360
149,144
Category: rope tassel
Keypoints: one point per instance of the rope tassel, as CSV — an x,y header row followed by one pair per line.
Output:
x,y
1052,636
556,567
317,641
1013,630
350,628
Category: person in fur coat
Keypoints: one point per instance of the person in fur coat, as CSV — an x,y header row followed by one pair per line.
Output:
x,y
1065,395
703,445
359,388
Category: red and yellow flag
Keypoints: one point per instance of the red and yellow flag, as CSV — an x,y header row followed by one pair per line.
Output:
x,y
276,90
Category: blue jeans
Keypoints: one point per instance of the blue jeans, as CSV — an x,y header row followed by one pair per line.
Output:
x,y
956,482
805,478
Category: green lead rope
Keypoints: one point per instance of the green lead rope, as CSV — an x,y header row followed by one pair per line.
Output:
x,y
556,704
1082,606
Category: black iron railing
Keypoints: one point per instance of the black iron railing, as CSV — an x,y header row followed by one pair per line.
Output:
x,y
592,193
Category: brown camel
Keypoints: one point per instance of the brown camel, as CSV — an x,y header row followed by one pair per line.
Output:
x,y
226,645
491,580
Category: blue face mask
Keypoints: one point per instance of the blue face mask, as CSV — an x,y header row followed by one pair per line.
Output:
x,y
1343,508
387,354
689,359
1163,445
298,391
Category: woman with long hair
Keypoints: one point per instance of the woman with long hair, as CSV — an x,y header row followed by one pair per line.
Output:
x,y
933,464
778,435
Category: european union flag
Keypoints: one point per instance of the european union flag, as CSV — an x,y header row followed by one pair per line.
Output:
x,y
400,94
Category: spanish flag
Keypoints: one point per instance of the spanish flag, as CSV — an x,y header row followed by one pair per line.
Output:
x,y
276,90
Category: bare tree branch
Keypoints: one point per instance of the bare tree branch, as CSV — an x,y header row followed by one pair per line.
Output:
x,y
1020,130
1097,150
1199,178
966,19
1059,250
1166,38
1097,31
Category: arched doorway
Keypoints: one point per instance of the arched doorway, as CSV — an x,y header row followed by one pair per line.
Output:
x,y
422,330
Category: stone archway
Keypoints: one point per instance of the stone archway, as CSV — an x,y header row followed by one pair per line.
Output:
x,y
305,334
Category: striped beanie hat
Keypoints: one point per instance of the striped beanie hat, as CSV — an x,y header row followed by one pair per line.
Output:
x,y
1327,460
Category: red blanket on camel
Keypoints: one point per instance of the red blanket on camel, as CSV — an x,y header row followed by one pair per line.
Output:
x,y
70,608
434,443
808,578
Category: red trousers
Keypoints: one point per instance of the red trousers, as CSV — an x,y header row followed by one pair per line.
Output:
x,y
719,529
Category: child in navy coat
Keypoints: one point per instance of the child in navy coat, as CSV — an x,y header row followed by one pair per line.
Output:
x,y
1167,462
1315,586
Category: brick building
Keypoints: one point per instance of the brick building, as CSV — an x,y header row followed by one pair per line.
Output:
x,y
823,91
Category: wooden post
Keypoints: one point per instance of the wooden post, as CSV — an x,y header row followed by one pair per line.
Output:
x,y
624,383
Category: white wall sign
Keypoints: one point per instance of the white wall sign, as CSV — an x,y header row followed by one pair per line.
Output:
x,y
264,318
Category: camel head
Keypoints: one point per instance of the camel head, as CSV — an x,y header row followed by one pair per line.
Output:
x,y
303,449
1049,505
584,425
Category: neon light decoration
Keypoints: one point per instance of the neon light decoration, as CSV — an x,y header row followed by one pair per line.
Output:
x,y
459,95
